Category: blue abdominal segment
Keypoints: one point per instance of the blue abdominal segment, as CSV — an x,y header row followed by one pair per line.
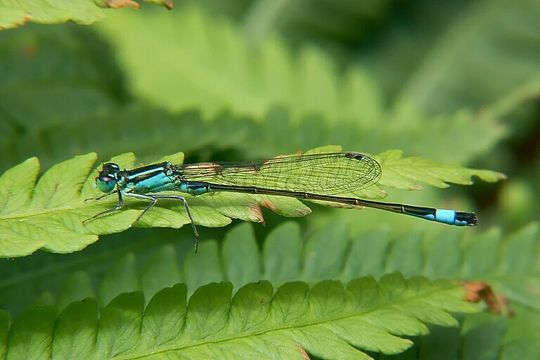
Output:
x,y
450,217
445,216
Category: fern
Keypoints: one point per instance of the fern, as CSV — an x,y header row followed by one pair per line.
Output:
x,y
17,13
97,118
254,140
329,253
287,256
86,83
105,130
452,75
50,214
328,320
143,293
345,21
246,80
13,14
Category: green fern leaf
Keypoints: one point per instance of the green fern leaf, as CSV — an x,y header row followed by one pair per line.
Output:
x,y
245,80
452,75
254,82
256,140
328,319
407,173
97,116
318,21
87,84
17,13
43,215
329,253
13,14
51,215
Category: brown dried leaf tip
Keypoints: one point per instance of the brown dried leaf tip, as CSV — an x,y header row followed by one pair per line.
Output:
x,y
256,211
303,354
480,291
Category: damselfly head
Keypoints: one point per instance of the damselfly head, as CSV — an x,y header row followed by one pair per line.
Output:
x,y
107,177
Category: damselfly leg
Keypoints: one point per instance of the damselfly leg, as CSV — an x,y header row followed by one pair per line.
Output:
x,y
153,201
119,206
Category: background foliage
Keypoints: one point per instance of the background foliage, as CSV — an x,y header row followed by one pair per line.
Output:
x,y
232,80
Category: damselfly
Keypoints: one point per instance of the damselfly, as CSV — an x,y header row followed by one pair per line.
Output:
x,y
320,177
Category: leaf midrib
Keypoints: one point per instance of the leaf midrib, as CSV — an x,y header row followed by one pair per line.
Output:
x,y
43,212
313,323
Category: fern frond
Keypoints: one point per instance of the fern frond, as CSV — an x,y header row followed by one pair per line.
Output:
x,y
43,215
407,173
53,77
14,14
97,121
246,80
452,75
189,129
286,255
346,22
50,214
328,319
253,82
20,12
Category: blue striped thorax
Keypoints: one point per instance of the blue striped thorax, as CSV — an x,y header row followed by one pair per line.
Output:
x,y
151,178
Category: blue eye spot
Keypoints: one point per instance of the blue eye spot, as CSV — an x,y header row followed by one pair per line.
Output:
x,y
105,183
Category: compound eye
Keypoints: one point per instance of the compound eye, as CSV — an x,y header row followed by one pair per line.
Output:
x,y
110,168
105,183
107,177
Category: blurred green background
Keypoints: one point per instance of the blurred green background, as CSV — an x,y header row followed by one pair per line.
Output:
x,y
455,82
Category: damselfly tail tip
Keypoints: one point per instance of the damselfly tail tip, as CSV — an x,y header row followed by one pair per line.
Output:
x,y
466,218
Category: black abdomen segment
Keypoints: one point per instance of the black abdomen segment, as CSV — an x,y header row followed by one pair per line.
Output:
x,y
444,216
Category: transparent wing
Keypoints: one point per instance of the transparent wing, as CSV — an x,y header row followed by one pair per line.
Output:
x,y
325,174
